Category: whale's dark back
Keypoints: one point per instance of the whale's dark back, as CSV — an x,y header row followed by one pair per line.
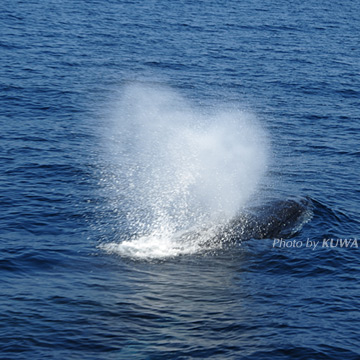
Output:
x,y
276,219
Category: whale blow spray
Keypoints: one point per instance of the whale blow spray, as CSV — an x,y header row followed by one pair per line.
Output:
x,y
172,167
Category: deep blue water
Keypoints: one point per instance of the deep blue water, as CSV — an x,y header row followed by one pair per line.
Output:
x,y
66,189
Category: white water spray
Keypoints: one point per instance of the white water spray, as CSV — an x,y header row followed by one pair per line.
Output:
x,y
172,167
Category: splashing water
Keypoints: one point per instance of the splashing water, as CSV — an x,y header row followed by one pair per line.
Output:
x,y
172,167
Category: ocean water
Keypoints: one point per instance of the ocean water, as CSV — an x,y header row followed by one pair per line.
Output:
x,y
127,124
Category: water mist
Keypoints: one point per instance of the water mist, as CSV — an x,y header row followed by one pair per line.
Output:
x,y
172,167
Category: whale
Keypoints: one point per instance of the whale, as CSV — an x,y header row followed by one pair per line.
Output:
x,y
279,219
273,219
276,219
